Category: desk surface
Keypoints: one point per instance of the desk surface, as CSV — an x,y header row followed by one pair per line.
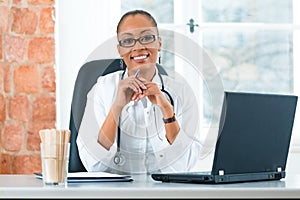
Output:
x,y
28,186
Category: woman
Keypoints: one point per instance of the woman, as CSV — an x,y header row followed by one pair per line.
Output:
x,y
130,124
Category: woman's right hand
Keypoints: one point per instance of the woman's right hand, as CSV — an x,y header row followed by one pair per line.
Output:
x,y
127,88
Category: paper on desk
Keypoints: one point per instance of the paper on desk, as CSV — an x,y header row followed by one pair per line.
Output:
x,y
93,177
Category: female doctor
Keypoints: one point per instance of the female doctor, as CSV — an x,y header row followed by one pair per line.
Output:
x,y
138,120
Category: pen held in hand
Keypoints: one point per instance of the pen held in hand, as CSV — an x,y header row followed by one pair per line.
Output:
x,y
137,73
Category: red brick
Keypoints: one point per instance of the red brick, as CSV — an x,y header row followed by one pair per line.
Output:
x,y
2,108
19,107
1,56
48,79
5,164
18,2
44,109
26,79
1,77
33,137
27,164
4,19
41,2
47,20
15,48
12,137
7,77
25,20
41,50
1,131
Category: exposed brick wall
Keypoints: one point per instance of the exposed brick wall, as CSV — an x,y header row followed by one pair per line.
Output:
x,y
27,82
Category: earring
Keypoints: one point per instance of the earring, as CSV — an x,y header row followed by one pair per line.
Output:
x,y
121,63
159,58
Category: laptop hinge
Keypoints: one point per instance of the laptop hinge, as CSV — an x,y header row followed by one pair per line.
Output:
x,y
221,172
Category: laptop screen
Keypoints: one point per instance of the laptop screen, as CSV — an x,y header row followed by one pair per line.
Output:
x,y
254,134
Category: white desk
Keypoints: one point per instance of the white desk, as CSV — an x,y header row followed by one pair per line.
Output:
x,y
27,186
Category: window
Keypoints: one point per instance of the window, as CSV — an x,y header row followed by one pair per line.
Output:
x,y
254,45
252,42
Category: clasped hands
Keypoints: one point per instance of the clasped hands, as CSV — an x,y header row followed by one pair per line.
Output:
x,y
136,87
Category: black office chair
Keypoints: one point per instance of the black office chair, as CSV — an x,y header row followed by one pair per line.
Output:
x,y
86,78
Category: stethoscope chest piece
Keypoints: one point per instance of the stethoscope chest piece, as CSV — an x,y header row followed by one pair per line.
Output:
x,y
119,159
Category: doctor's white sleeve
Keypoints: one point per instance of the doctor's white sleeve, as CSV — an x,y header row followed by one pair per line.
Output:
x,y
93,155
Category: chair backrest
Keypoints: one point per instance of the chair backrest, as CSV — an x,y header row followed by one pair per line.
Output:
x,y
86,78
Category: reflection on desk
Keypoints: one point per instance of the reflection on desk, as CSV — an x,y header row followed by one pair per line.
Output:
x,y
28,186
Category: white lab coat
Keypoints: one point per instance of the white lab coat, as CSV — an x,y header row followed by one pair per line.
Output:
x,y
143,143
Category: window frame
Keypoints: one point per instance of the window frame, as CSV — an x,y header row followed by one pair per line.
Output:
x,y
295,28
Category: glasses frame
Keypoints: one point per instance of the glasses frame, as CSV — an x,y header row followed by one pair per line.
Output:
x,y
139,40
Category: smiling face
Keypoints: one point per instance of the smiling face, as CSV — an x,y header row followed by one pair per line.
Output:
x,y
145,50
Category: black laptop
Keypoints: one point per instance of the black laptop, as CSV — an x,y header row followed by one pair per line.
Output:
x,y
253,142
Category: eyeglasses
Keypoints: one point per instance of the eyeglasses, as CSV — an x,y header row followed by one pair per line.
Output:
x,y
130,42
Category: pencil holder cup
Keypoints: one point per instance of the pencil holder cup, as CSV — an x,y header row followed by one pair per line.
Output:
x,y
55,150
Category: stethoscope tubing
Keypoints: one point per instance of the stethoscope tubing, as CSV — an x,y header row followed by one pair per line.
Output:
x,y
119,159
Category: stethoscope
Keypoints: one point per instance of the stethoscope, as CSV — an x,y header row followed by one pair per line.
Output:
x,y
119,158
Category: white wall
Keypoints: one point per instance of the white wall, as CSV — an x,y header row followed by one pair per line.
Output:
x,y
81,26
